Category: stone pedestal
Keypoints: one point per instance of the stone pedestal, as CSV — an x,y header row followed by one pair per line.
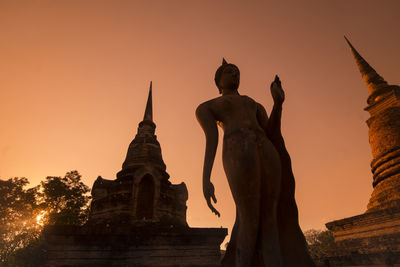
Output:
x,y
133,246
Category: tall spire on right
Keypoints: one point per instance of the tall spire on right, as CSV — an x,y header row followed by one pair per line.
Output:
x,y
373,80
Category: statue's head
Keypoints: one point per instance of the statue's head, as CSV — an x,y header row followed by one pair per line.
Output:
x,y
227,77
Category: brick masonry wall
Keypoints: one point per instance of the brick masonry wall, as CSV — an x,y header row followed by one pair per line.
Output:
x,y
130,246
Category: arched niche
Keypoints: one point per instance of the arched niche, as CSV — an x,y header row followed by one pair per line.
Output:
x,y
145,198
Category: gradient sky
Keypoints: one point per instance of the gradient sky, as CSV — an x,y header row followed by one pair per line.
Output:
x,y
75,76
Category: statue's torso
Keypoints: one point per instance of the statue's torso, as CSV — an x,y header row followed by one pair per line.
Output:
x,y
235,112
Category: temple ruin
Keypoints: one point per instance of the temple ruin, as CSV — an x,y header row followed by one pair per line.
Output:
x,y
373,238
138,219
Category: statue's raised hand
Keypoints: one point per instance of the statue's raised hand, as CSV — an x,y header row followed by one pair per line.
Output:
x,y
276,91
209,193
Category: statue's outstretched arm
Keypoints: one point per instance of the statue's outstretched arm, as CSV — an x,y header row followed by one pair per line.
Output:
x,y
207,121
272,125
274,122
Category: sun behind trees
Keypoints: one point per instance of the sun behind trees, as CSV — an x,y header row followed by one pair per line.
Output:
x,y
24,213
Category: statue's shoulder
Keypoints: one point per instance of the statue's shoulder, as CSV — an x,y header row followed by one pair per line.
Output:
x,y
211,107
209,103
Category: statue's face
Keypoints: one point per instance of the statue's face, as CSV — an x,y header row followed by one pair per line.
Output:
x,y
230,78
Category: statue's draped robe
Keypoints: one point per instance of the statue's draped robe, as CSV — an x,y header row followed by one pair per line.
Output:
x,y
292,241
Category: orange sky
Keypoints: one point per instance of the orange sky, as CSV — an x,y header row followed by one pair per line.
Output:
x,y
75,76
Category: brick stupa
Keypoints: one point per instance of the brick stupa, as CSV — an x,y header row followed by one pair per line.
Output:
x,y
142,193
138,219
373,238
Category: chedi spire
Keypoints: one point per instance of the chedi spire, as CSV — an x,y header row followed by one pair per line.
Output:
x,y
373,80
148,113
144,148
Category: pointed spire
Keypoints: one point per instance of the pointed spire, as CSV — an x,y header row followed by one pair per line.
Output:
x,y
373,80
148,114
149,150
224,61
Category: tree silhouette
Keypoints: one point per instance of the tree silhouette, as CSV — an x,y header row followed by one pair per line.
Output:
x,y
25,212
321,245
65,199
18,211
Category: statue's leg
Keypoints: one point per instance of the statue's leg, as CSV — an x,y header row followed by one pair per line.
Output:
x,y
242,168
270,189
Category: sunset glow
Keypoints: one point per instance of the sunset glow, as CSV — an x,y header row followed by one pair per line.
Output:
x,y
75,78
39,218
